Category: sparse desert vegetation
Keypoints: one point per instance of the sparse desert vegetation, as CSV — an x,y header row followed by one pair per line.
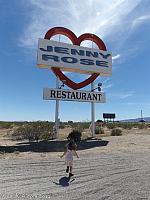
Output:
x,y
43,130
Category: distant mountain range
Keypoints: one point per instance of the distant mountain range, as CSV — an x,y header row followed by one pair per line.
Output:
x,y
146,119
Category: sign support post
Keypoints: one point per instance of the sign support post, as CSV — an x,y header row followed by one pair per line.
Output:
x,y
57,109
56,112
93,113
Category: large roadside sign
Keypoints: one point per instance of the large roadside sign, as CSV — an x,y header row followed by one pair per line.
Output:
x,y
73,58
60,57
73,95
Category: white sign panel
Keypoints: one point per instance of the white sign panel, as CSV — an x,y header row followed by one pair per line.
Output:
x,y
73,95
73,58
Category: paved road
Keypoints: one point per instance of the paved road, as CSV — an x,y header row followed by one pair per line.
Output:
x,y
98,176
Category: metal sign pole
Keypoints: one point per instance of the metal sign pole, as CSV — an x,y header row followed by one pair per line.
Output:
x,y
93,109
57,109
93,113
56,112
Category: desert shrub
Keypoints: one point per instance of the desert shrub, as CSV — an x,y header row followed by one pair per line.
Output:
x,y
17,124
116,132
125,125
46,135
84,125
23,132
70,122
80,125
135,124
110,125
41,130
6,125
99,130
130,125
99,121
33,131
141,126
75,135
62,125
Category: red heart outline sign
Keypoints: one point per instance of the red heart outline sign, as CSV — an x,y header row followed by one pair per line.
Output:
x,y
76,41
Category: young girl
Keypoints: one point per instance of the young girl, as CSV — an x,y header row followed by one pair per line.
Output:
x,y
69,151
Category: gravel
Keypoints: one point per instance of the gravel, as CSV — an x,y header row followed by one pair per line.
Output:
x,y
98,176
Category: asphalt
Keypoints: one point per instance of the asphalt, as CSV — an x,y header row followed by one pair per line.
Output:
x,y
98,176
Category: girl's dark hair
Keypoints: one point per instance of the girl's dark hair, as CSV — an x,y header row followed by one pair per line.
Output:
x,y
71,145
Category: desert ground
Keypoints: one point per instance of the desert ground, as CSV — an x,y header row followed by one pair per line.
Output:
x,y
108,168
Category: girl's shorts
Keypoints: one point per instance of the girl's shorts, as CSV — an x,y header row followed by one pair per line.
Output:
x,y
69,162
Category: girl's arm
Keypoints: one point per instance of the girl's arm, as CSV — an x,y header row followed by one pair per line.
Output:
x,y
76,153
62,154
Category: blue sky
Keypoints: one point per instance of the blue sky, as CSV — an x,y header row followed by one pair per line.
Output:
x,y
123,25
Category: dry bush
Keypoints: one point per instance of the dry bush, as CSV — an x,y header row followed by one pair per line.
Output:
x,y
33,131
116,132
99,130
6,125
111,125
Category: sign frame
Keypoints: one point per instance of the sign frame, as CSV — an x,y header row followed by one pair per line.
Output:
x,y
73,95
75,41
73,58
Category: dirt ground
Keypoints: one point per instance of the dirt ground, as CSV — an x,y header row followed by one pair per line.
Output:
x,y
114,170
131,140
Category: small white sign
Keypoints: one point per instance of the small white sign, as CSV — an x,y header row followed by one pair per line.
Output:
x,y
73,58
73,95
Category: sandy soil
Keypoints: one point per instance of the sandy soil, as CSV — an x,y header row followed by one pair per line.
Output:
x,y
135,140
119,170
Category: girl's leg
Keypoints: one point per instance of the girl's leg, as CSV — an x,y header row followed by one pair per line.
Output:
x,y
70,173
67,169
70,169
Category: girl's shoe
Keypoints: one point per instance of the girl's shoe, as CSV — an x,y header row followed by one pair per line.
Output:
x,y
70,174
